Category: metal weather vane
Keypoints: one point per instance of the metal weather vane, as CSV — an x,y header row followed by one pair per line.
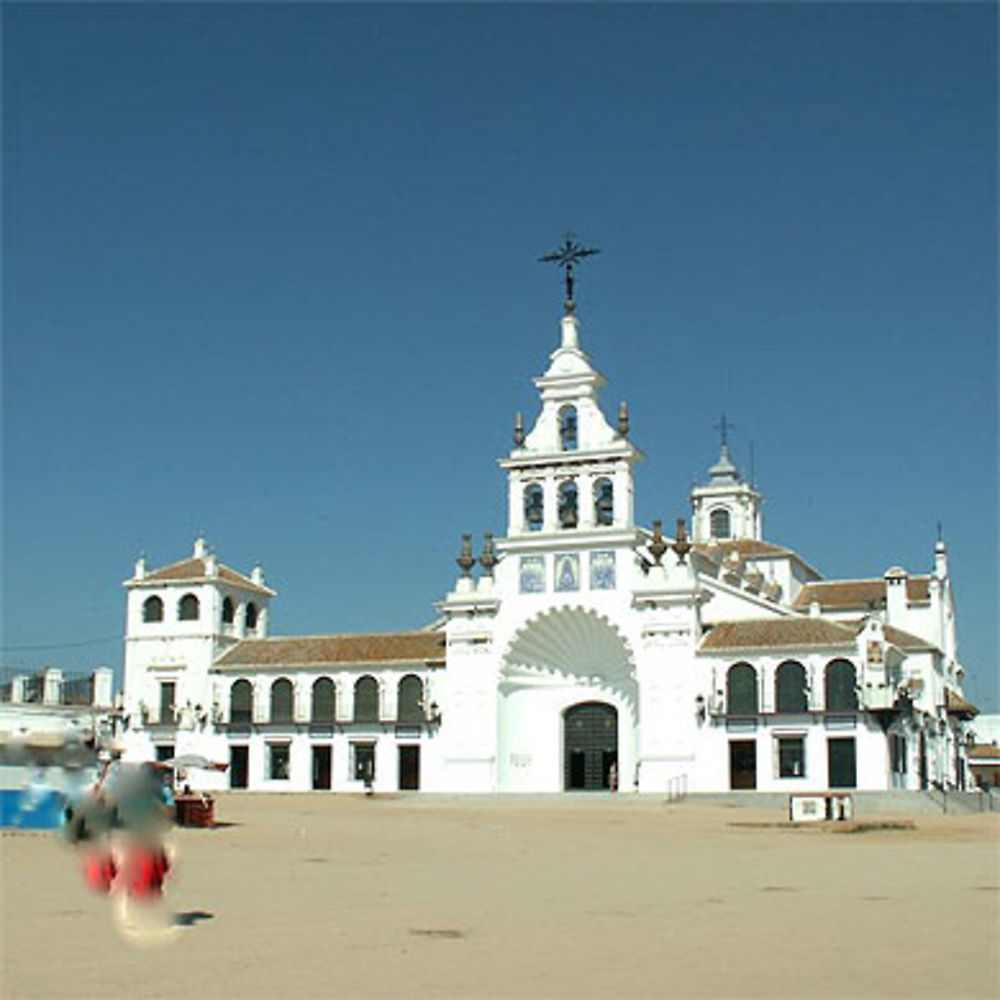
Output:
x,y
724,426
566,256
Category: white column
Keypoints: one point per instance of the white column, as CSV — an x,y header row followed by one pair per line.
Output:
x,y
515,505
585,499
550,493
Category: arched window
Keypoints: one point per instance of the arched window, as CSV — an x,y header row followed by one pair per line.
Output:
x,y
534,507
720,524
604,502
567,428
281,700
366,700
241,703
567,504
251,616
228,611
741,690
839,690
188,608
152,610
411,697
790,687
324,700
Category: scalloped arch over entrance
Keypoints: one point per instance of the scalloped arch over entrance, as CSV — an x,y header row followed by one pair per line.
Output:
x,y
574,643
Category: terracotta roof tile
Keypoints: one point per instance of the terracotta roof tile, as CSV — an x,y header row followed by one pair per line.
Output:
x,y
321,650
906,640
777,632
858,593
193,570
955,704
743,547
983,751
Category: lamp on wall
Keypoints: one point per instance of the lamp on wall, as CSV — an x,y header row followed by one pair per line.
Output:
x,y
700,708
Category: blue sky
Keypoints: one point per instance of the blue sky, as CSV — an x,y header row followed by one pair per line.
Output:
x,y
271,272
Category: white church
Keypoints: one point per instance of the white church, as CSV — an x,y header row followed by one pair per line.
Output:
x,y
580,651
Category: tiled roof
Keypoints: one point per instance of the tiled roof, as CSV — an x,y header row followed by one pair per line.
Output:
x,y
858,593
743,547
770,632
983,751
955,704
320,650
906,640
194,571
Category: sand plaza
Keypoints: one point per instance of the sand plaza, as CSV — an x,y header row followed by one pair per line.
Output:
x,y
542,896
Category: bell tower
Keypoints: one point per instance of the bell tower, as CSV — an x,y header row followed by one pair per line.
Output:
x,y
726,508
572,471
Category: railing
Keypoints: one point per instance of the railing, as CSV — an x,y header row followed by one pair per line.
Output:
x,y
677,787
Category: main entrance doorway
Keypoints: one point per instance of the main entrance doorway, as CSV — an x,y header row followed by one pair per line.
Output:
x,y
239,765
742,764
322,759
409,767
841,762
591,747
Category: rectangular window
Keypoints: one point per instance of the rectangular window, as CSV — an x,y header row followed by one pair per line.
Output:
x,y
167,694
279,756
164,751
602,571
532,574
364,761
791,757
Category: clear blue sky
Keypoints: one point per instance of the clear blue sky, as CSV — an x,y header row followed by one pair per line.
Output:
x,y
270,271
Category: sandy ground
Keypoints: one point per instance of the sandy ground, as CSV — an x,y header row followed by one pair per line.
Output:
x,y
321,896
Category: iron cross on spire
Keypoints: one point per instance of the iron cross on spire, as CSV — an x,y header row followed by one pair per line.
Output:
x,y
566,256
724,426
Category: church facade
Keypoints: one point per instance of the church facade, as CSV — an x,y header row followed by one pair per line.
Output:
x,y
580,651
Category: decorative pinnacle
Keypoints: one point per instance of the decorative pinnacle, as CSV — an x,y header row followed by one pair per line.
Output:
x,y
519,431
566,256
657,546
623,419
488,559
681,544
466,560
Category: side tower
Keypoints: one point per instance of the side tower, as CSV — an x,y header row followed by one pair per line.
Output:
x,y
179,619
727,507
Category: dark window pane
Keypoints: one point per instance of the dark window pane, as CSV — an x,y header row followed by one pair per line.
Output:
x,y
188,608
741,690
791,687
719,523
152,610
281,700
241,703
324,700
366,700
841,695
167,693
411,696
364,761
279,761
791,757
